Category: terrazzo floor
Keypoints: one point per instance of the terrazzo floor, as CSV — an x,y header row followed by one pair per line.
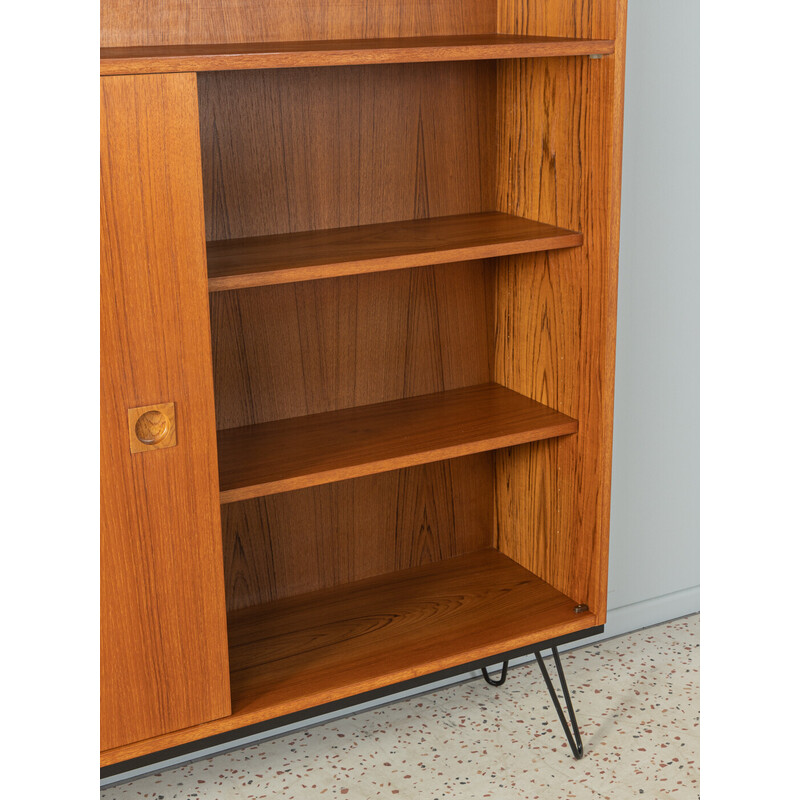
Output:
x,y
637,703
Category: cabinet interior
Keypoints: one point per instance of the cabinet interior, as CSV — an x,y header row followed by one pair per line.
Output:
x,y
372,531
299,150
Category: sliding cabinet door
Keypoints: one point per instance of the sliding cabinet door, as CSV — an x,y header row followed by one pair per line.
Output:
x,y
164,656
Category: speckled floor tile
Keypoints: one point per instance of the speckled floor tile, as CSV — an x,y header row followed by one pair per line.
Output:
x,y
636,698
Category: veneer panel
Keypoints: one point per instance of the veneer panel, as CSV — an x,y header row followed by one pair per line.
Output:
x,y
271,55
289,454
163,644
311,255
355,529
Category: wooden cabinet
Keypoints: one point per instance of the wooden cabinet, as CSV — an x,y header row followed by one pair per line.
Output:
x,y
359,300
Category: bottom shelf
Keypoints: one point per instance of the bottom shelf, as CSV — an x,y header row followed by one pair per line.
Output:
x,y
316,648
298,653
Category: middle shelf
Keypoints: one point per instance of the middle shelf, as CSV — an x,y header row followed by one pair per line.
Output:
x,y
295,453
309,255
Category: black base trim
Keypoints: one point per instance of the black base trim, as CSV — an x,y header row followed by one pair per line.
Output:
x,y
337,705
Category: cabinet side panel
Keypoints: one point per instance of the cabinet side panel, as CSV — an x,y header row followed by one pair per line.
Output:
x,y
128,23
584,19
555,314
164,658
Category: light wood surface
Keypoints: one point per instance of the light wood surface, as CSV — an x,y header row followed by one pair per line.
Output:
x,y
312,347
272,55
559,308
309,255
169,22
303,150
594,20
319,647
289,454
297,653
164,657
308,149
305,348
355,529
152,427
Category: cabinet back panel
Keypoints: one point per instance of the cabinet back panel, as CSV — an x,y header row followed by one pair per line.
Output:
x,y
128,23
304,348
297,542
305,149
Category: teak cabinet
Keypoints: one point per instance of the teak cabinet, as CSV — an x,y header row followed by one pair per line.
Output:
x,y
358,317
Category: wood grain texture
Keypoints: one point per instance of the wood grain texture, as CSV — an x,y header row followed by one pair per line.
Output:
x,y
555,312
609,330
303,651
305,348
311,255
313,649
280,55
309,149
164,657
174,22
289,454
355,529
595,19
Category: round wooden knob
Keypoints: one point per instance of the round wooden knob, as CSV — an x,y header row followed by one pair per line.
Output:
x,y
151,427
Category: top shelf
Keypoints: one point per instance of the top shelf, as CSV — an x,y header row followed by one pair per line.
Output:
x,y
337,52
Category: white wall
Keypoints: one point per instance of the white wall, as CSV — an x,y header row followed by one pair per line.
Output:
x,y
654,570
654,567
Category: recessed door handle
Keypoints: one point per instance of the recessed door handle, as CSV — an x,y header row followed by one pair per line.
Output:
x,y
152,427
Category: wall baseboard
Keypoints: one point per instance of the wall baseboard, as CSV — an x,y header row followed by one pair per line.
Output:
x,y
645,613
653,611
620,621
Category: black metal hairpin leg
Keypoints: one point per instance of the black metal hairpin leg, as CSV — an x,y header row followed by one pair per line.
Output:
x,y
492,681
575,744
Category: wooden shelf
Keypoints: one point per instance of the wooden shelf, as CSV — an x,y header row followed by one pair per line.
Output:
x,y
319,647
267,55
309,255
289,454
323,646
